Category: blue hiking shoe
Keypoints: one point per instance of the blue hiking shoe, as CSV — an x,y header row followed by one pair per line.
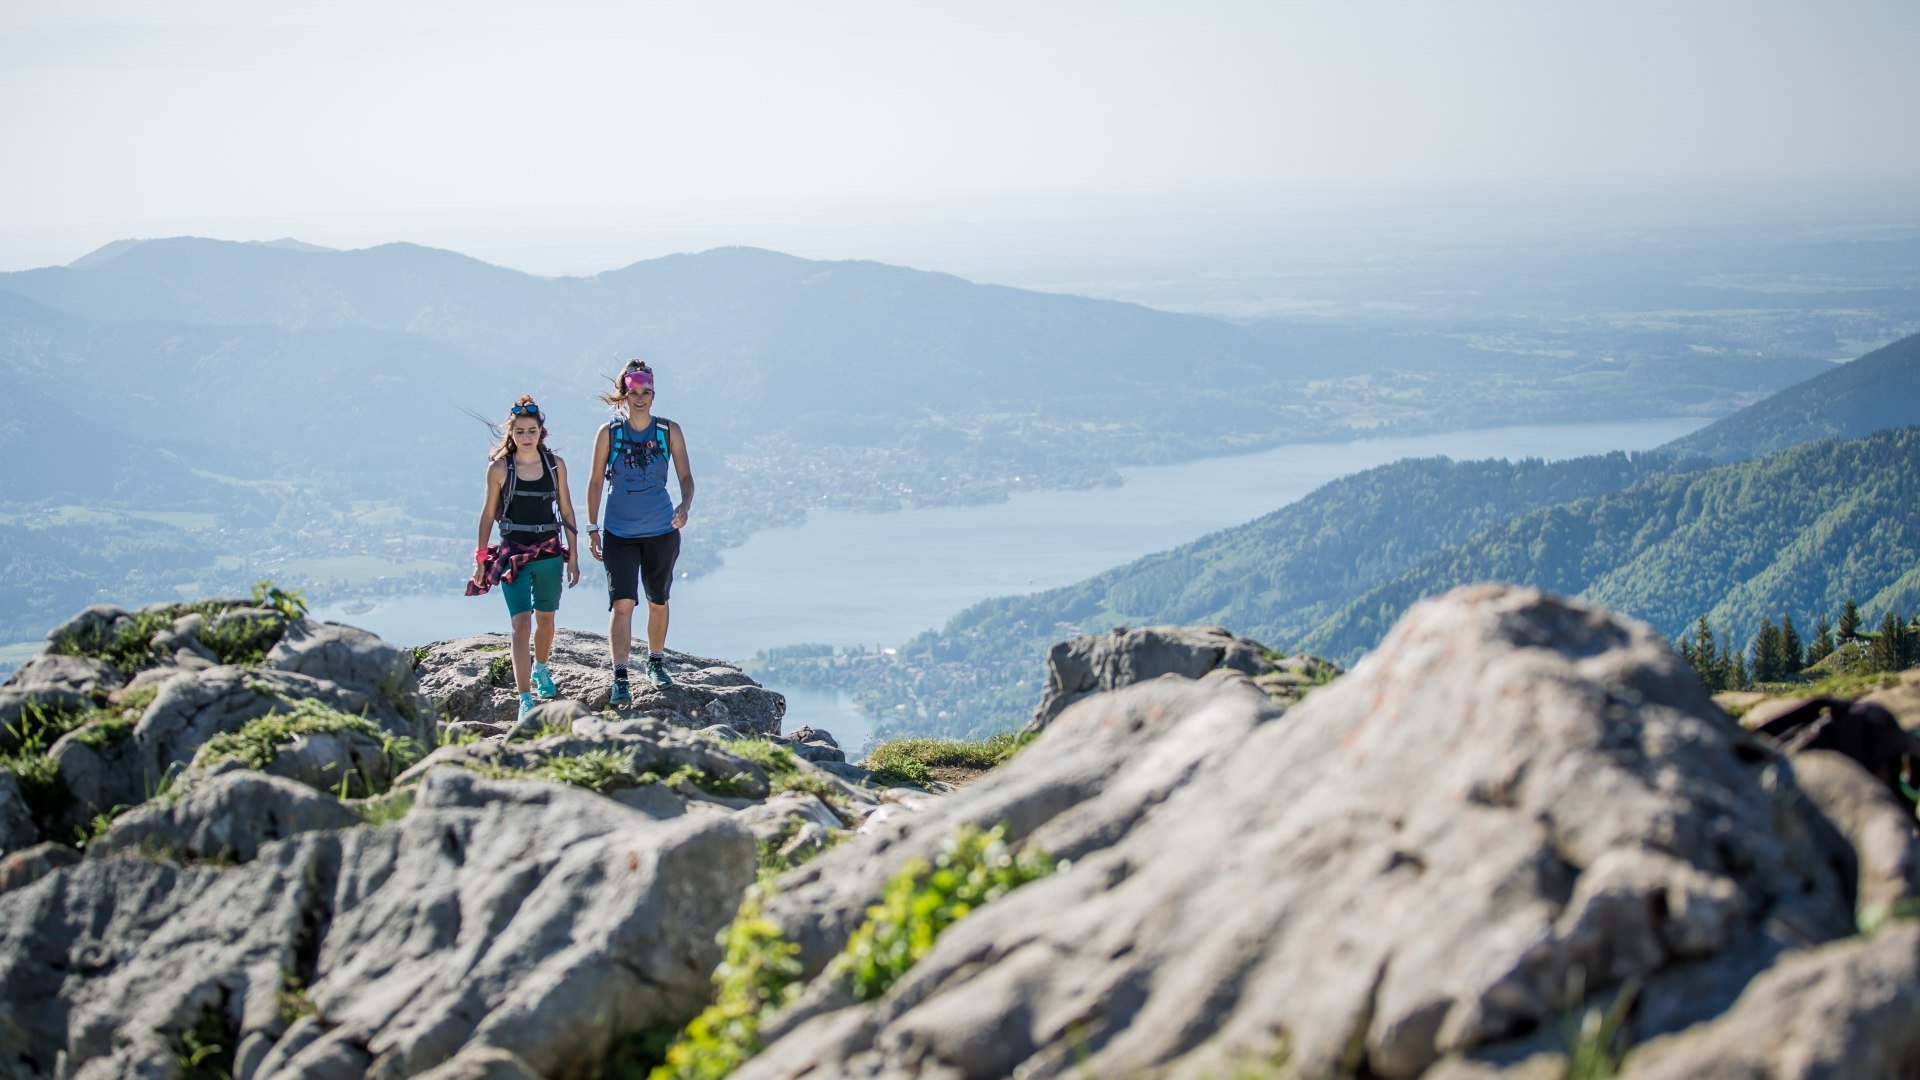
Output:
x,y
528,703
543,683
620,696
657,673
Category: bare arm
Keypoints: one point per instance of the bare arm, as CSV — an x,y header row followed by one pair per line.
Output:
x,y
489,509
683,468
565,498
594,487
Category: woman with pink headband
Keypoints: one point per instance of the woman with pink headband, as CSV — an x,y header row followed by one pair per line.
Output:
x,y
642,538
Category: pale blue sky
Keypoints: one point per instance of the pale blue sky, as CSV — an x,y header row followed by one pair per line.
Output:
x,y
495,126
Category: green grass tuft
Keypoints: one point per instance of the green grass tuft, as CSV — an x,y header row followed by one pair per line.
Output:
x,y
243,642
500,671
759,972
910,762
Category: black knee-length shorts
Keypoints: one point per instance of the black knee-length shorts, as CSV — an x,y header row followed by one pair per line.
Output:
x,y
636,563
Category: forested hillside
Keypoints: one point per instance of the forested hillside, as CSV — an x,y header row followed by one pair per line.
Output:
x,y
1795,532
1879,390
1273,579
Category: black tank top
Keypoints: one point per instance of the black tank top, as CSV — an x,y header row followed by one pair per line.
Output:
x,y
531,507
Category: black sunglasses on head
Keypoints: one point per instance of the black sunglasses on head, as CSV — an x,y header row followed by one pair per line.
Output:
x,y
529,409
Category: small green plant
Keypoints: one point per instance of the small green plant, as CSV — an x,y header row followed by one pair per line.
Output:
x,y
500,671
758,973
129,648
38,778
420,654
292,1000
242,641
761,970
387,809
205,1050
1597,1038
290,603
447,737
973,868
595,770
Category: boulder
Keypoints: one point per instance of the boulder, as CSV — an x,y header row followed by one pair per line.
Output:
x,y
28,865
460,676
1902,699
1844,1009
229,818
1881,853
350,657
1511,807
1093,663
53,681
17,830
535,920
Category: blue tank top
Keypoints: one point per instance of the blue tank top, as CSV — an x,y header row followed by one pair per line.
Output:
x,y
637,500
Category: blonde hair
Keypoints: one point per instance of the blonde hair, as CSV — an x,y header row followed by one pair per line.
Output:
x,y
618,395
505,449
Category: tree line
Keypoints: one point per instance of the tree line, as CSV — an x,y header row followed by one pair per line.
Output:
x,y
1778,653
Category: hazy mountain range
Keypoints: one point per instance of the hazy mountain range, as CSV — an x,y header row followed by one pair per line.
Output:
x,y
260,404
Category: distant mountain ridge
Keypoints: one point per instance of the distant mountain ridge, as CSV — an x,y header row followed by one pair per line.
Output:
x,y
1879,390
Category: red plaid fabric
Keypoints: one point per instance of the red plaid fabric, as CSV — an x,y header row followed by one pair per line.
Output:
x,y
505,560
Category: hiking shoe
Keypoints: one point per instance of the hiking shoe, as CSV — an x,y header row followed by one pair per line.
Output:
x,y
543,683
527,705
620,695
657,673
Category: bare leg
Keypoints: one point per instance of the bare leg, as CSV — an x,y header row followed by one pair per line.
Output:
x,y
522,663
542,635
620,631
656,627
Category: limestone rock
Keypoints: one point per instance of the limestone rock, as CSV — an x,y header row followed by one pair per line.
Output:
x,y
28,865
229,818
1845,1009
1093,663
350,657
533,919
1882,849
53,681
460,675
1901,699
1512,801
17,830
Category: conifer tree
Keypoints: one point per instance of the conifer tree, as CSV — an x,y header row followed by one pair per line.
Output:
x,y
1849,621
1699,651
1793,653
1766,652
1822,646
1884,654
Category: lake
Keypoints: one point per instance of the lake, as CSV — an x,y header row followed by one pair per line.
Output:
x,y
876,579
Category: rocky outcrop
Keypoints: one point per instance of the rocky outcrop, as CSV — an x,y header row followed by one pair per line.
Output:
x,y
227,819
1095,663
529,918
1513,808
471,679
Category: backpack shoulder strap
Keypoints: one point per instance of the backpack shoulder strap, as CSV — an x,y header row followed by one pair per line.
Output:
x,y
660,427
616,444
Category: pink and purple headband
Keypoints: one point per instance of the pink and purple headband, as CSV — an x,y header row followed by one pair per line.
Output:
x,y
635,379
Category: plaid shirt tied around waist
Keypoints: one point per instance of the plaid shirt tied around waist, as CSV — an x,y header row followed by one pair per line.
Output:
x,y
504,561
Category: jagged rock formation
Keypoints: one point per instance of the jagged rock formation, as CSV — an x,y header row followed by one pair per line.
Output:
x,y
1513,809
469,677
1516,811
1094,663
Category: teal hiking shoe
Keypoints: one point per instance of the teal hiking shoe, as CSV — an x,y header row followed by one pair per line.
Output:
x,y
527,704
620,696
657,673
543,683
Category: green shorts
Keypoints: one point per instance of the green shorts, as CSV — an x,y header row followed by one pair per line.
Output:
x,y
536,587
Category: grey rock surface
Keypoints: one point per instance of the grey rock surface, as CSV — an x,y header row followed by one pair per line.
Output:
x,y
350,657
17,830
1095,663
1513,801
1881,849
1843,1010
533,919
28,865
458,675
229,818
50,680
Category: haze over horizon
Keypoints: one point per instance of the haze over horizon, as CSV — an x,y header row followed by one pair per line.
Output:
x,y
998,141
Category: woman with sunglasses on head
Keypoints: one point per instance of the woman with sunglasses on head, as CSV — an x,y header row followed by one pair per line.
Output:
x,y
527,497
642,538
